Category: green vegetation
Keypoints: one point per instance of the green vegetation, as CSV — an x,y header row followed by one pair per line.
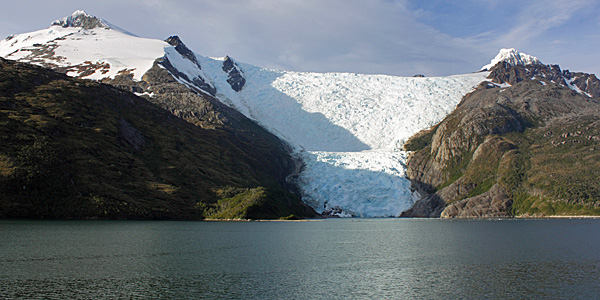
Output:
x,y
565,167
245,203
565,176
420,141
237,203
78,149
481,187
455,169
528,205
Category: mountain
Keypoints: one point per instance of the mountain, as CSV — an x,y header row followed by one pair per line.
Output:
x,y
227,167
346,132
525,144
75,148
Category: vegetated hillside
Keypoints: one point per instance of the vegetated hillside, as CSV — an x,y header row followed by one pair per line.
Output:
x,y
79,149
530,149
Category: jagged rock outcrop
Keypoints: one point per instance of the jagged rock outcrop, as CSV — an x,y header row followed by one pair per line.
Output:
x,y
81,19
186,53
235,77
588,84
185,101
485,159
180,47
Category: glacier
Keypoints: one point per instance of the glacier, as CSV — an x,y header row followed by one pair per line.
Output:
x,y
347,129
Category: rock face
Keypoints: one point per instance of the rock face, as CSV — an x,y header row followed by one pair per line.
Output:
x,y
235,77
495,203
186,53
588,84
180,47
489,158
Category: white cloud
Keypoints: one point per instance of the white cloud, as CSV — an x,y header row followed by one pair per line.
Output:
x,y
557,32
335,35
536,18
363,36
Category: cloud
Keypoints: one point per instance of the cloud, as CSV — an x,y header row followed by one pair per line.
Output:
x,y
352,36
397,37
538,17
558,32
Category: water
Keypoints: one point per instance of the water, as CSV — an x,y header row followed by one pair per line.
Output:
x,y
329,259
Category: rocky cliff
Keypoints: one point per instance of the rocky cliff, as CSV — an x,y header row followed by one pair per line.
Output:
x,y
524,144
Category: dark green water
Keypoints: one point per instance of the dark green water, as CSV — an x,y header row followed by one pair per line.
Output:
x,y
330,259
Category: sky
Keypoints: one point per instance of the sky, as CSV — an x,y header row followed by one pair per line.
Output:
x,y
394,37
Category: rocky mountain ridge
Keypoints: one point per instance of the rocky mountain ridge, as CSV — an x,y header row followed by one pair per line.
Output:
x,y
81,19
583,83
527,147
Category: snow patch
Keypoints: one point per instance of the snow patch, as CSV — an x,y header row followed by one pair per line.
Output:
x,y
144,94
575,88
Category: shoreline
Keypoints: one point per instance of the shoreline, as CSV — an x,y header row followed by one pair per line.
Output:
x,y
259,220
558,217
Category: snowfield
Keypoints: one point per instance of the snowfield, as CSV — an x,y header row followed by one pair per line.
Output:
x,y
76,46
348,129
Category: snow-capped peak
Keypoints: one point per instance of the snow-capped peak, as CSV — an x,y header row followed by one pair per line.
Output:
x,y
80,18
513,58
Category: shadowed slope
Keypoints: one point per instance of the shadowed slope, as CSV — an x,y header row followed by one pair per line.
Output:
x,y
79,149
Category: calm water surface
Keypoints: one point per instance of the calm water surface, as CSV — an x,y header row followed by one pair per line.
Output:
x,y
329,259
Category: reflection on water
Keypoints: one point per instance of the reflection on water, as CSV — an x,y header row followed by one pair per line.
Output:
x,y
348,258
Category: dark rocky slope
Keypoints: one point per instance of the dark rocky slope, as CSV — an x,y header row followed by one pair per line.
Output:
x,y
78,149
531,149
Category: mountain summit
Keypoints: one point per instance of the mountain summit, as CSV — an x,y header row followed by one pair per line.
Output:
x,y
512,57
80,18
